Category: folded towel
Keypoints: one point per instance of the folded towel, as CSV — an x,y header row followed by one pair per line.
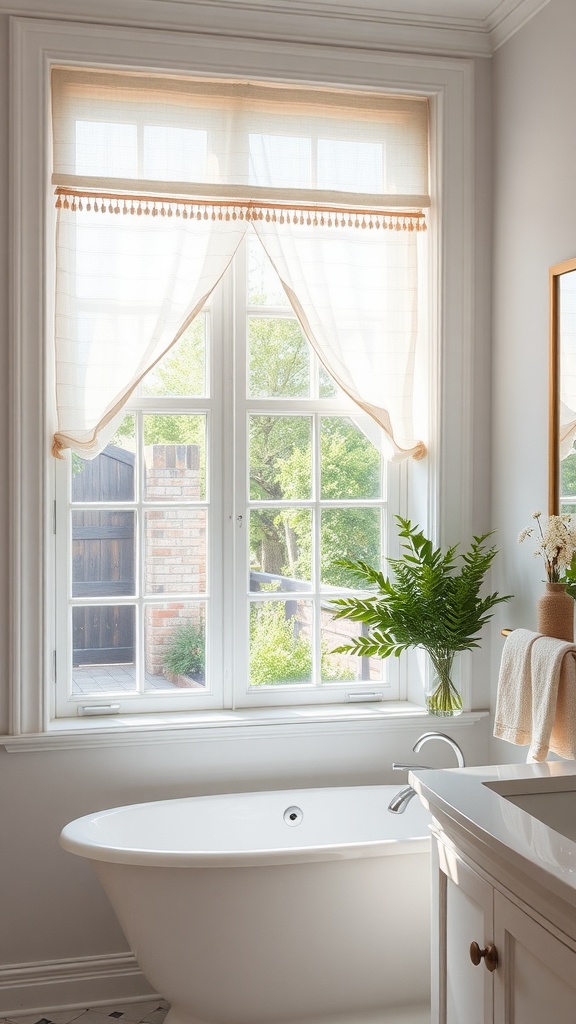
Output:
x,y
536,700
553,671
513,719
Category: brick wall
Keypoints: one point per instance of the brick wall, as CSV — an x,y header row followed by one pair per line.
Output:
x,y
175,545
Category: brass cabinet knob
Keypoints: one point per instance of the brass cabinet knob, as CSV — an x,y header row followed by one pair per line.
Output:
x,y
489,955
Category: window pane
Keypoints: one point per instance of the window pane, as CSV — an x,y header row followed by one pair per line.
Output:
x,y
174,457
174,154
349,533
280,458
345,667
279,359
350,463
327,388
103,656
175,646
281,161
350,166
280,549
264,285
182,371
103,554
110,476
106,149
280,643
175,551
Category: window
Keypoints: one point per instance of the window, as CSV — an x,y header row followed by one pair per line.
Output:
x,y
440,484
194,538
203,543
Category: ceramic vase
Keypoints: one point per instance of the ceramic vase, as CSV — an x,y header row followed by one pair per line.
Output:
x,y
556,612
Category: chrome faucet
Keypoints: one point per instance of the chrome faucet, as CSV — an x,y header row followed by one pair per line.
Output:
x,y
399,803
440,736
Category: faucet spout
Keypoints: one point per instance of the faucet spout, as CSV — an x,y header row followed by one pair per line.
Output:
x,y
426,736
400,801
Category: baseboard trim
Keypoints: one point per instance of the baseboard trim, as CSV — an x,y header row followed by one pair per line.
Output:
x,y
65,984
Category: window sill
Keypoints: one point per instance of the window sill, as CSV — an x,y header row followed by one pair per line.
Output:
x,y
125,731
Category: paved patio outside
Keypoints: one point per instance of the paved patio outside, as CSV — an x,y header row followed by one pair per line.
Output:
x,y
91,679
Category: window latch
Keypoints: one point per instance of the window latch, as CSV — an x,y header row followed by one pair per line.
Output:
x,y
99,709
357,698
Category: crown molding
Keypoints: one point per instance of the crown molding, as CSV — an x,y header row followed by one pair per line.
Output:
x,y
329,22
509,17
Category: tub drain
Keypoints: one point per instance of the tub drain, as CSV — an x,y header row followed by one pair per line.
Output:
x,y
293,815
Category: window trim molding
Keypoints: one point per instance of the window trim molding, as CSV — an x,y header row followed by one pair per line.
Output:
x,y
218,726
34,46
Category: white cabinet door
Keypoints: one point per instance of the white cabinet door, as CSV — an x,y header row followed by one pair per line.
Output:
x,y
462,992
536,979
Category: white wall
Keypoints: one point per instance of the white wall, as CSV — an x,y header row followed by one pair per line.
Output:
x,y
52,907
534,228
53,912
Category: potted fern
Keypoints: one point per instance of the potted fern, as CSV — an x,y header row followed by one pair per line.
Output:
x,y
433,602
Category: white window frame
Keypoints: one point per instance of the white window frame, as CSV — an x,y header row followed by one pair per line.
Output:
x,y
244,695
228,506
439,492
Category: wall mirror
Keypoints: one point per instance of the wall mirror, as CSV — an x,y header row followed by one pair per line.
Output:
x,y
562,443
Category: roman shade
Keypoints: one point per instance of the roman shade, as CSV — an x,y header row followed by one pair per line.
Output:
x,y
157,180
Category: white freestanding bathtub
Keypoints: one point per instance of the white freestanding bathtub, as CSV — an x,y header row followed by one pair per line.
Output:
x,y
271,908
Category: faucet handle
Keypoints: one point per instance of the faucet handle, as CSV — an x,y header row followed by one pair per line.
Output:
x,y
400,766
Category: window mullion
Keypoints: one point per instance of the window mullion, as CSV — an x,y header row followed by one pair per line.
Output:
x,y
140,561
316,543
63,574
237,475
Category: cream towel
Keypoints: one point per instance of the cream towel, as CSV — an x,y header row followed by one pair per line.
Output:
x,y
513,719
553,671
536,700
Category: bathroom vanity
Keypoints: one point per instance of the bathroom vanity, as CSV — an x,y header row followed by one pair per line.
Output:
x,y
503,893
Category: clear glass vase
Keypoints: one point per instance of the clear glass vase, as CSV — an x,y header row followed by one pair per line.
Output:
x,y
443,697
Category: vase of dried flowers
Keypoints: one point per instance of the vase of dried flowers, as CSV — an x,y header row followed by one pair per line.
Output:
x,y
556,612
557,547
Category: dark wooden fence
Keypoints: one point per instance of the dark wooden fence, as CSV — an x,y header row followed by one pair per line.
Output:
x,y
103,559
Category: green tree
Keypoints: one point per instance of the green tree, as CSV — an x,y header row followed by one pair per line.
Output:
x,y
350,468
279,362
281,467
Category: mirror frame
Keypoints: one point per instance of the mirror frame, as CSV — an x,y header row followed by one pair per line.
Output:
x,y
554,275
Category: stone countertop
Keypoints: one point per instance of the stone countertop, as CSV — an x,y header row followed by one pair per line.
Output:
x,y
529,857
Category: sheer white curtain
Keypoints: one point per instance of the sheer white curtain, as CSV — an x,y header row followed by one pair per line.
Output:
x,y
184,165
126,289
355,294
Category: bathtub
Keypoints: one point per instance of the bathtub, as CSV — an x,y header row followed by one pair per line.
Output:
x,y
297,907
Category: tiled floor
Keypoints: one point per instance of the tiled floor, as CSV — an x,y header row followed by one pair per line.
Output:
x,y
152,1012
